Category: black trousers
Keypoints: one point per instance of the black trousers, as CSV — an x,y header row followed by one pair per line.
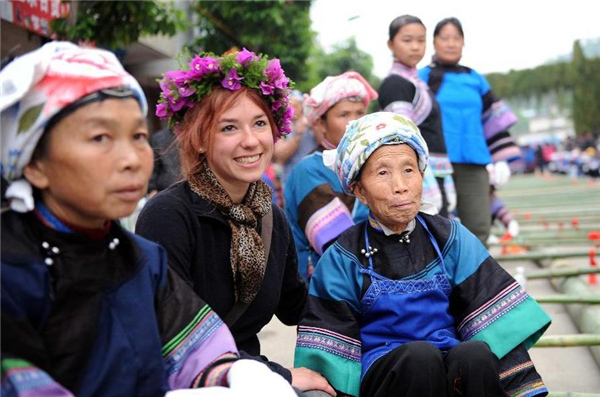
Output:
x,y
420,369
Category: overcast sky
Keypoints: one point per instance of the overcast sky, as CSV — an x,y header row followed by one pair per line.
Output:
x,y
499,35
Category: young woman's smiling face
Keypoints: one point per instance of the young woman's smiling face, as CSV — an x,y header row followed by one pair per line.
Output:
x,y
241,148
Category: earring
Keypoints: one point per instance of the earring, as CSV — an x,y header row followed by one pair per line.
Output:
x,y
201,151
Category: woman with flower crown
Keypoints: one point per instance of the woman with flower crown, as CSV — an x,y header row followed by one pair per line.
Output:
x,y
223,235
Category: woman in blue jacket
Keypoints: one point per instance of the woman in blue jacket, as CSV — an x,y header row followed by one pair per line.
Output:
x,y
475,124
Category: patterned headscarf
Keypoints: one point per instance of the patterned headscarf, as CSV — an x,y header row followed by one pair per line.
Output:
x,y
335,89
367,134
38,85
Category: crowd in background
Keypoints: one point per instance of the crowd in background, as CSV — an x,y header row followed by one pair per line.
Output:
x,y
575,156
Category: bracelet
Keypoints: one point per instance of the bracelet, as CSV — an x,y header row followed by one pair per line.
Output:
x,y
201,378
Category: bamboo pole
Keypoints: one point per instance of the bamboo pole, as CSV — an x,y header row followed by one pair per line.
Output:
x,y
562,272
534,212
542,244
538,256
568,340
566,299
585,317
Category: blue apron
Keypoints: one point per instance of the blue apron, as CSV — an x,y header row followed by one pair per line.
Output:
x,y
395,312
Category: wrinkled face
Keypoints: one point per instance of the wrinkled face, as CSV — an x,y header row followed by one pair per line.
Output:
x,y
391,185
97,163
337,117
449,44
408,45
242,147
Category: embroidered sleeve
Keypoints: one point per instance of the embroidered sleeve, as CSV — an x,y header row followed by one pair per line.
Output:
x,y
21,378
193,335
497,118
327,223
518,375
328,335
487,302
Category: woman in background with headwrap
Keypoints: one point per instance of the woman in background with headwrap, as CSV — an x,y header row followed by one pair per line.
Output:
x,y
89,309
222,233
403,92
410,303
314,203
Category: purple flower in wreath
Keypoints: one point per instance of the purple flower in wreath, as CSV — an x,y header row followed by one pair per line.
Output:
x,y
185,91
178,77
162,110
165,85
288,113
275,106
273,71
201,66
285,127
284,97
244,57
232,80
177,104
266,88
282,82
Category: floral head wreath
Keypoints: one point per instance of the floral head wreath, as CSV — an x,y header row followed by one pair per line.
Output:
x,y
183,88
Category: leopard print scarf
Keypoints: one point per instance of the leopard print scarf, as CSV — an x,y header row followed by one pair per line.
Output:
x,y
248,262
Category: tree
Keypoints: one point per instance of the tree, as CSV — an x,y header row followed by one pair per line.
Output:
x,y
279,29
344,56
116,24
586,91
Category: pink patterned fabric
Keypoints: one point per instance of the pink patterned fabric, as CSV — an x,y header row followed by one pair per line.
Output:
x,y
335,89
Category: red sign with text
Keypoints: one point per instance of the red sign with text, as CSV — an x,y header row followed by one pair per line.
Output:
x,y
35,15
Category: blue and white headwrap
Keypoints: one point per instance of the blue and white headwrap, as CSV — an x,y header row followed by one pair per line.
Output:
x,y
367,134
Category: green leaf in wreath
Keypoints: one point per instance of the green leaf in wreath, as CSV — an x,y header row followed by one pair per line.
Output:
x,y
28,118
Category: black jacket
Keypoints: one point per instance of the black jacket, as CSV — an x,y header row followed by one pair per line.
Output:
x,y
197,239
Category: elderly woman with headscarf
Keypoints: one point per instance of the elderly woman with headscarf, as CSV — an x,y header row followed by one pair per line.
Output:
x,y
314,202
89,309
411,303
